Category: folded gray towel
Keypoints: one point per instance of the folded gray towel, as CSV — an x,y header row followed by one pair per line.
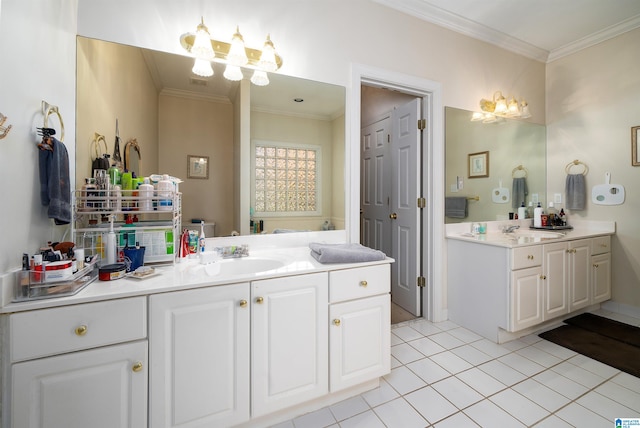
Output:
x,y
575,189
344,253
519,192
456,207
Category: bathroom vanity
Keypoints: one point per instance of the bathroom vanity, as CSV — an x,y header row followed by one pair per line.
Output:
x,y
506,285
238,346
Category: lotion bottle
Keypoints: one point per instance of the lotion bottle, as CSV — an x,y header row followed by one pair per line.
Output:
x,y
522,212
110,244
537,216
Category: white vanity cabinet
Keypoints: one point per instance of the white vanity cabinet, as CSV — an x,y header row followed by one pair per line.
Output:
x,y
79,366
199,353
542,282
359,325
289,343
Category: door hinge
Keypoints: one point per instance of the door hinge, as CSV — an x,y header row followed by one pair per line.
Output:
x,y
422,202
422,282
388,138
422,124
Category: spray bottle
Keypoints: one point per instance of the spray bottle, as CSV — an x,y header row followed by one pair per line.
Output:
x,y
110,243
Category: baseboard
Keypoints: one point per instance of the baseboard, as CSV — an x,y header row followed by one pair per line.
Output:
x,y
621,308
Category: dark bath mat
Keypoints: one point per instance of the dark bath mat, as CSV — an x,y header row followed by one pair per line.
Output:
x,y
607,327
609,351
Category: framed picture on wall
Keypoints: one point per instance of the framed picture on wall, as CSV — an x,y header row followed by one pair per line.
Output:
x,y
198,167
478,164
635,154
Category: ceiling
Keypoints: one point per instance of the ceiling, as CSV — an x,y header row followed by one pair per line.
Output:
x,y
544,30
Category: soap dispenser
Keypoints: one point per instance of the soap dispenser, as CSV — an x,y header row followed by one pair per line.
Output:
x,y
537,216
110,243
522,212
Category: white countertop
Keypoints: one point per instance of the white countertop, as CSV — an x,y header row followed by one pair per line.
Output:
x,y
190,274
525,236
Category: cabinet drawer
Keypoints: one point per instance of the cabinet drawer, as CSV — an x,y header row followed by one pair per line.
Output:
x,y
525,257
355,283
53,331
600,245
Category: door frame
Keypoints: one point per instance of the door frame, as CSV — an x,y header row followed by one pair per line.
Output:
x,y
434,256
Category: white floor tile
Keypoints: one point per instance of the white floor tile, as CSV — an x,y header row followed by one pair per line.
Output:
x,y
579,416
407,333
381,394
487,414
461,333
395,340
541,395
451,362
514,345
394,362
446,325
404,380
428,371
561,384
348,408
620,394
472,355
501,372
426,328
596,367
481,382
553,422
405,353
318,419
398,413
522,364
628,381
555,350
490,348
286,424
523,409
364,420
457,392
427,346
578,374
430,404
458,420
539,356
446,340
605,407
531,339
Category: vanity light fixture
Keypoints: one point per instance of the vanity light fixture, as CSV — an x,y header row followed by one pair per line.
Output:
x,y
500,107
234,54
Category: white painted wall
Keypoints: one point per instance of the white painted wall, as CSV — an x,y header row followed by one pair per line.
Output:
x,y
593,100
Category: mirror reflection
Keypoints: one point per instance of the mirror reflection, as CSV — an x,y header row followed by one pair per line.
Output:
x,y
486,162
172,114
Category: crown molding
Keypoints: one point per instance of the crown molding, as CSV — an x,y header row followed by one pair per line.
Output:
x,y
179,93
465,26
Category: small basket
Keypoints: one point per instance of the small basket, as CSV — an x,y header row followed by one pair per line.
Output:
x,y
34,285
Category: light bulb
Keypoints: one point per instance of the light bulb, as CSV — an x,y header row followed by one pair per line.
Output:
x,y
202,67
202,43
237,54
268,57
233,72
501,105
260,78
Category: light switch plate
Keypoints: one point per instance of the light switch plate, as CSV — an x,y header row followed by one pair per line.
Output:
x,y
534,198
557,198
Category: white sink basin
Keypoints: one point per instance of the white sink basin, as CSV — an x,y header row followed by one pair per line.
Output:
x,y
526,236
243,266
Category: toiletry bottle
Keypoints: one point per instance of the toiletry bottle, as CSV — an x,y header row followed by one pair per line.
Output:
x,y
551,211
522,212
165,194
537,216
110,244
563,217
201,240
145,195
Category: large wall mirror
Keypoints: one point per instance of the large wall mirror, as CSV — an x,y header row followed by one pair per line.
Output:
x,y
173,116
482,161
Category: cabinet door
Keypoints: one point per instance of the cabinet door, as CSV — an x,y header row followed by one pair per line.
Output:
x,y
199,347
526,298
359,340
579,253
601,277
104,387
555,280
289,339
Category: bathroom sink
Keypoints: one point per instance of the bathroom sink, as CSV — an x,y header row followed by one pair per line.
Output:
x,y
243,266
527,236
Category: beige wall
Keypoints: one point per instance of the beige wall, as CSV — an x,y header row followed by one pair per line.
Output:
x,y
116,84
199,127
593,100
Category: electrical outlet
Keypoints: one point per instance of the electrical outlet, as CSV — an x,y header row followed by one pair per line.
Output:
x,y
534,198
557,198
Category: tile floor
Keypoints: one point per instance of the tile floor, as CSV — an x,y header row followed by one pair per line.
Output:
x,y
443,375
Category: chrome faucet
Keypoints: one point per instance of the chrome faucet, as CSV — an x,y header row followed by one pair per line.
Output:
x,y
510,229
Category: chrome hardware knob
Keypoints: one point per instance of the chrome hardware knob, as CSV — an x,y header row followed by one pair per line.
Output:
x,y
363,283
137,367
393,216
243,303
81,330
259,300
336,322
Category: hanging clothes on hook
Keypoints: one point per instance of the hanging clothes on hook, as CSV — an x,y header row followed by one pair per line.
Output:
x,y
116,147
55,187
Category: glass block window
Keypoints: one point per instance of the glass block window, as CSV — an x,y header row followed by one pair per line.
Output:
x,y
286,178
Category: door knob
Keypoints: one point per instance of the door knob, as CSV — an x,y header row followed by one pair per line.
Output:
x,y
393,216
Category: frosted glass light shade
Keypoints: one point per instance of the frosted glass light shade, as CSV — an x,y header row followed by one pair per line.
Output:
x,y
268,58
260,78
202,67
237,54
202,44
233,73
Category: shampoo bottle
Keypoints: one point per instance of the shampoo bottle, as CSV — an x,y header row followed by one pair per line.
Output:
x,y
522,212
537,216
145,195
110,244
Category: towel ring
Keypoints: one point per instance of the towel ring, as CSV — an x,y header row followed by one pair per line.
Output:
x,y
48,110
96,143
519,168
576,163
